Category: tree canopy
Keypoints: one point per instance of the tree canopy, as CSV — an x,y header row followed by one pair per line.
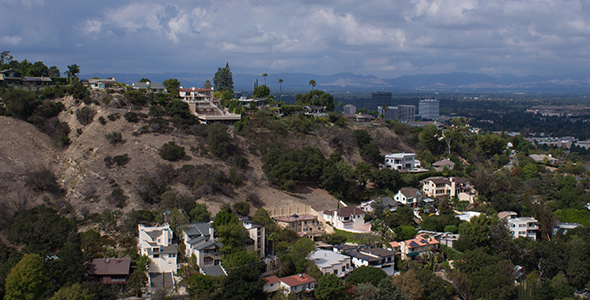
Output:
x,y
223,79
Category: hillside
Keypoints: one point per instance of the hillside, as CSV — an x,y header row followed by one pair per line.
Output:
x,y
88,182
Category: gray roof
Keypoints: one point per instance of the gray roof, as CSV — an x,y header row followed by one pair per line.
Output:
x,y
154,234
197,240
161,280
213,271
143,85
209,245
325,258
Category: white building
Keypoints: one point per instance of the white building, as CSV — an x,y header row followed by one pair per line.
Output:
x,y
156,243
406,113
193,95
257,233
349,109
374,257
429,109
449,186
408,196
290,284
520,226
200,240
401,161
332,263
389,113
348,217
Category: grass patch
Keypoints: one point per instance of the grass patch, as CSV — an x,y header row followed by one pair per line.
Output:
x,y
351,237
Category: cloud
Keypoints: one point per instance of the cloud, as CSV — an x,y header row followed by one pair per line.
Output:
x,y
11,40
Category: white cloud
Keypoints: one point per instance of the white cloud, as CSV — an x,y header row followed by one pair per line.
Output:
x,y
11,40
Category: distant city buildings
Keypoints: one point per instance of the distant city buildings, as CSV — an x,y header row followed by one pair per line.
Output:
x,y
381,99
389,113
406,113
429,109
349,109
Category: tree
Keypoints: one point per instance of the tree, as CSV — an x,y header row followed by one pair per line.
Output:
x,y
264,75
261,91
200,213
172,152
38,69
335,238
27,279
178,108
172,85
330,288
53,72
313,84
223,79
72,71
85,115
74,292
409,285
242,208
281,89
207,84
366,274
145,80
244,283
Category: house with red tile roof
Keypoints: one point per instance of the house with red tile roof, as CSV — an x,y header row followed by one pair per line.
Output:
x,y
348,217
272,284
417,246
290,284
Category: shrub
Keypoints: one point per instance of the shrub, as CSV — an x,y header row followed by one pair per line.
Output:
x,y
242,208
172,152
85,115
43,181
102,120
114,117
121,160
131,117
119,198
114,137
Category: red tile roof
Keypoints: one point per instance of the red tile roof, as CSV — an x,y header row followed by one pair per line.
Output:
x,y
271,279
297,279
420,241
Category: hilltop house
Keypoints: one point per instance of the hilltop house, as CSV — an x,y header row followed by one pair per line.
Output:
x,y
348,217
408,196
520,227
257,233
449,186
99,84
401,161
152,87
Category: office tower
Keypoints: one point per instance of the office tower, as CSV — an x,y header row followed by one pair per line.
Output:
x,y
429,109
381,99
406,113
349,109
390,114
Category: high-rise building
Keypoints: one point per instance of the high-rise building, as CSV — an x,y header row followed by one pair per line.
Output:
x,y
406,113
429,109
349,109
381,99
389,113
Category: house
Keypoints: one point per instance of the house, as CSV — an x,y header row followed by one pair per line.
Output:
x,y
111,270
257,233
194,95
401,161
520,226
332,263
418,246
444,238
248,101
304,225
289,284
408,196
10,77
380,203
449,186
563,228
314,110
348,217
152,87
156,243
466,216
200,240
544,158
99,84
441,164
374,257
358,117
298,283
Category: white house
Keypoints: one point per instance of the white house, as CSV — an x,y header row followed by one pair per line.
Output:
x,y
200,241
192,95
449,186
289,284
257,233
520,227
348,217
374,257
272,284
332,263
408,196
401,161
156,243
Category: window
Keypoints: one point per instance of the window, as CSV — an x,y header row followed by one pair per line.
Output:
x,y
172,255
156,255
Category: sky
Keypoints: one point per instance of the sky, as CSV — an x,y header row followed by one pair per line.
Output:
x,y
385,38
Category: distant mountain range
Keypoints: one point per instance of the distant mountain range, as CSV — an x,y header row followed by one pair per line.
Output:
x,y
350,81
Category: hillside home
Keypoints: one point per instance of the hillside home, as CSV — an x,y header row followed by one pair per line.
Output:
x,y
401,161
152,87
441,164
200,240
348,217
290,284
100,84
444,238
156,243
374,257
272,284
304,225
332,263
385,203
10,77
257,233
408,196
111,270
206,108
418,246
520,226
195,95
449,186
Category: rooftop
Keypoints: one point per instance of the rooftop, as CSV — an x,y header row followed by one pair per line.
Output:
x,y
325,258
110,266
296,218
297,279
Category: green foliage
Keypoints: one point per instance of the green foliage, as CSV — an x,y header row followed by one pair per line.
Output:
x,y
114,137
200,213
330,288
136,97
572,215
366,274
244,283
242,208
316,97
261,91
387,179
26,280
405,232
335,238
172,152
172,85
223,79
282,168
297,259
19,103
178,108
119,198
205,287
219,141
43,181
85,115
73,292
240,258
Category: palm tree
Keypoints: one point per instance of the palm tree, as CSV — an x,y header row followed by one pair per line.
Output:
x,y
264,75
72,71
313,84
273,237
281,88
